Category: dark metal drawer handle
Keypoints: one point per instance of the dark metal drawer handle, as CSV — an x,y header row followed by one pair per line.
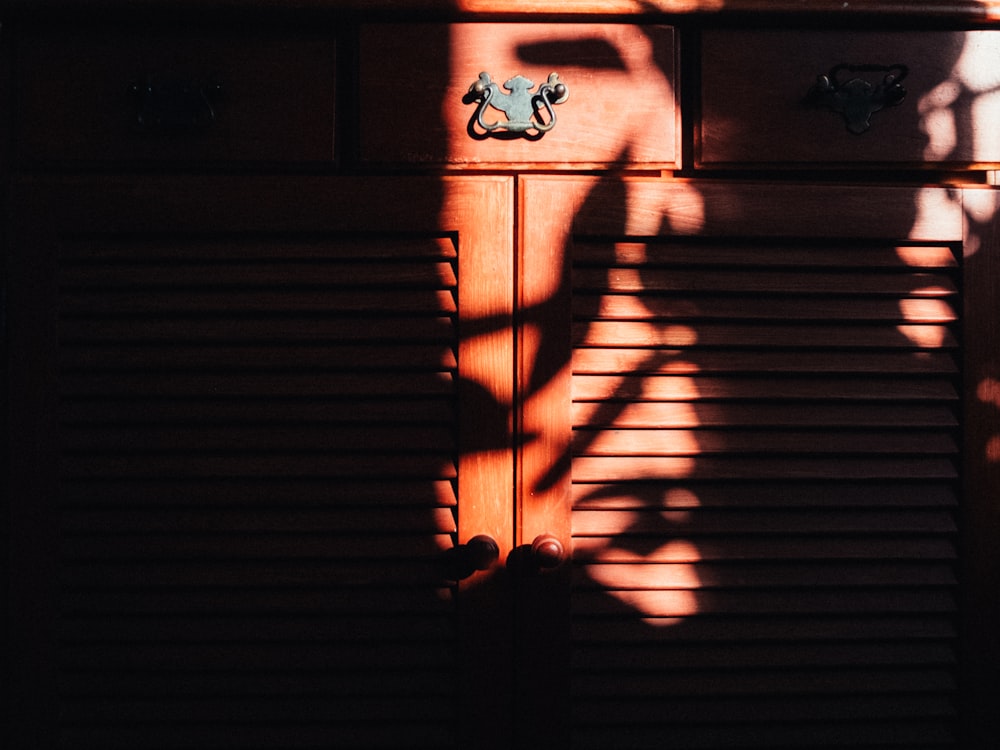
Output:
x,y
857,99
173,106
522,107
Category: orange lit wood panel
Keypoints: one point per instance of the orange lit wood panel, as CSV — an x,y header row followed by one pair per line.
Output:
x,y
621,107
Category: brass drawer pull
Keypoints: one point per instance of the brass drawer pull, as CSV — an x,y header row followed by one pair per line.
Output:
x,y
858,99
173,106
522,106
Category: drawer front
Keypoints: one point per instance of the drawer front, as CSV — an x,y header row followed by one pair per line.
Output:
x,y
169,96
416,105
759,104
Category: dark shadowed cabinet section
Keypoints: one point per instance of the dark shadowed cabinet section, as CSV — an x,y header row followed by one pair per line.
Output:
x,y
240,473
166,92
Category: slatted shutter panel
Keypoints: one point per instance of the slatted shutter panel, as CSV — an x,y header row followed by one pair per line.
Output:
x,y
764,476
256,475
772,485
257,479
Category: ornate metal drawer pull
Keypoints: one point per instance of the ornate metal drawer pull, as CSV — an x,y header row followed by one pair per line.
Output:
x,y
523,107
857,99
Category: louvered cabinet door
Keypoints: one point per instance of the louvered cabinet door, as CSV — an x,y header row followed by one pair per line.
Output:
x,y
238,416
743,409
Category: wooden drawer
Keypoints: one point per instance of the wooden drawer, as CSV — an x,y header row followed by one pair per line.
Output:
x,y
177,95
756,106
621,107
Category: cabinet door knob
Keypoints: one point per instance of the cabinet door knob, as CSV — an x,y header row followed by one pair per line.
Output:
x,y
481,552
522,107
547,551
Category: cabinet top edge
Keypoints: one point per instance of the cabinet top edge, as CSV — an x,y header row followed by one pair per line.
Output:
x,y
976,10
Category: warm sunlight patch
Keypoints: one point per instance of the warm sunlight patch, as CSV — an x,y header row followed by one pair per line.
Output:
x,y
989,391
665,591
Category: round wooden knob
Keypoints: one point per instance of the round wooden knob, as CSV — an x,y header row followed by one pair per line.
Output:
x,y
481,552
547,551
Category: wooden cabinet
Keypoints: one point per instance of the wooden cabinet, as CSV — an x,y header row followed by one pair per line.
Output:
x,y
337,421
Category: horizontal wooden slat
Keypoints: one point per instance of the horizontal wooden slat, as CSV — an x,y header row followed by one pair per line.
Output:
x,y
292,493
788,681
623,468
264,465
253,710
652,280
151,409
145,274
262,735
242,573
685,415
259,601
785,627
665,309
775,494
706,442
237,546
768,655
765,254
228,655
348,438
262,629
929,734
684,388
638,712
230,385
619,359
226,247
673,523
745,575
643,335
223,385
325,301
774,545
260,520
255,329
183,682
255,357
